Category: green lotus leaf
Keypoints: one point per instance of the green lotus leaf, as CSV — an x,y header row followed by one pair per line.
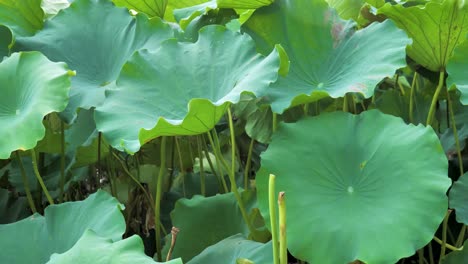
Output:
x,y
457,257
326,59
456,69
179,4
258,121
458,196
96,49
6,40
233,248
204,221
154,96
351,183
32,87
60,228
12,208
152,8
23,17
445,19
92,248
351,9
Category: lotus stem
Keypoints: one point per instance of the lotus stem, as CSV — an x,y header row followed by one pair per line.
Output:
x,y
247,164
202,169
421,256
210,163
232,174
453,248
39,178
181,164
24,177
174,232
99,158
444,236
345,103
283,247
411,102
432,109
157,203
275,122
461,236
62,160
431,254
273,225
455,134
219,161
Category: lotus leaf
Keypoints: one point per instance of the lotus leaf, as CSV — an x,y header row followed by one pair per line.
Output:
x,y
457,198
91,248
6,40
32,87
233,248
445,19
23,17
96,49
326,59
456,69
204,221
457,257
12,209
152,8
60,228
347,177
154,97
52,7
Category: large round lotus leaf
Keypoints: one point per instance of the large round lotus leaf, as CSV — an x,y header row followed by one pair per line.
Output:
x,y
436,28
233,248
6,39
352,182
456,69
60,228
94,249
24,17
325,58
204,221
95,38
183,88
457,257
458,197
32,87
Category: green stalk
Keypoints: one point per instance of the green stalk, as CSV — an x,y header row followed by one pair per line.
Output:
x,y
210,163
99,158
421,256
62,161
444,236
181,164
39,178
157,203
432,109
455,134
345,103
411,102
247,164
283,247
397,83
275,122
272,209
217,154
202,170
431,254
461,236
26,183
453,248
232,174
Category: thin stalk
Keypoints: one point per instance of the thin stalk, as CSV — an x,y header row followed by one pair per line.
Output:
x,y
461,236
453,248
210,163
218,161
174,232
99,158
202,169
181,165
444,236
353,103
112,175
272,209
27,190
306,109
157,203
455,134
345,103
283,247
411,102
275,122
397,83
232,175
432,109
39,178
421,256
431,254
62,160
247,164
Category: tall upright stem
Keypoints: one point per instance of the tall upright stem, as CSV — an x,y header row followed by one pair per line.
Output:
x,y
157,202
62,160
247,164
202,169
283,247
39,178
430,116
272,209
411,102
24,177
455,134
